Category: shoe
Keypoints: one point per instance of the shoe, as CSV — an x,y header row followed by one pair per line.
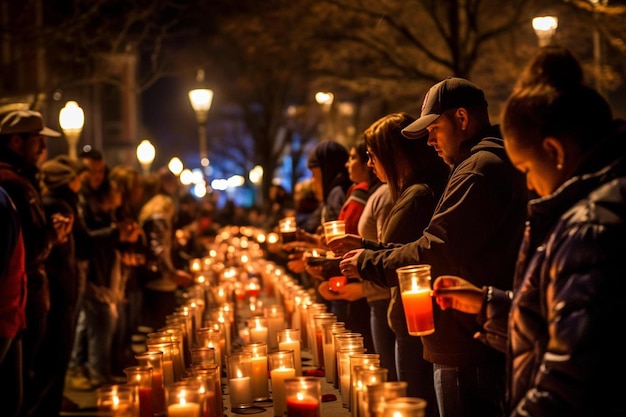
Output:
x,y
68,405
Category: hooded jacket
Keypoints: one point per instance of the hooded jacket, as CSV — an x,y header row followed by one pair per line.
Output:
x,y
475,233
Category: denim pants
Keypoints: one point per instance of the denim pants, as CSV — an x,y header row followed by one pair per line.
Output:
x,y
384,338
469,391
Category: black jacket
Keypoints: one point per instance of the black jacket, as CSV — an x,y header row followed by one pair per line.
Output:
x,y
474,233
568,307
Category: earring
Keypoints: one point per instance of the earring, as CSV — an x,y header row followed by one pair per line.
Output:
x,y
559,166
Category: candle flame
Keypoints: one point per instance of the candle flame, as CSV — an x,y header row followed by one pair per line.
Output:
x,y
300,396
239,374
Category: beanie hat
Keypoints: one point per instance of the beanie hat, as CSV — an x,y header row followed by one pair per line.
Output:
x,y
56,174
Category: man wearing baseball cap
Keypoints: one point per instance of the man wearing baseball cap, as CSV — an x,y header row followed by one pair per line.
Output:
x,y
22,143
475,232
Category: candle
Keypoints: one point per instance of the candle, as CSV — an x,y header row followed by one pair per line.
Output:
x,y
418,309
240,391
275,323
300,406
278,377
145,402
333,229
335,283
258,334
289,339
414,281
303,397
260,386
287,227
141,378
183,410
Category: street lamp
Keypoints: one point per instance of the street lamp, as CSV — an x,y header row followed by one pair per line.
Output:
x,y
72,120
201,99
544,27
145,155
175,166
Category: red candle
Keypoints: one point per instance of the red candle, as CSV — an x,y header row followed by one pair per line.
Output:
x,y
335,283
145,402
158,397
209,408
298,406
418,309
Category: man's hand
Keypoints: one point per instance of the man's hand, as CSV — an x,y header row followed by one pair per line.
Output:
x,y
349,264
343,244
454,292
63,226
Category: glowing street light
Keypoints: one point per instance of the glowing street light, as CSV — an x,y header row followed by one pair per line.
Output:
x,y
175,166
72,120
201,99
545,27
145,155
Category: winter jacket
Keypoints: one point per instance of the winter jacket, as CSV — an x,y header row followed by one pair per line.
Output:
x,y
565,317
475,233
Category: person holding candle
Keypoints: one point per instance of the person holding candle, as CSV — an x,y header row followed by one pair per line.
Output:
x,y
475,232
416,177
558,325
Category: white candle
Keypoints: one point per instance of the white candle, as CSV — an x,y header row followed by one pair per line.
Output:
x,y
330,359
279,395
297,356
183,410
240,391
258,334
260,387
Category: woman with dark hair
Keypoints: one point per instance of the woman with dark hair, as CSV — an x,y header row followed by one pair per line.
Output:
x,y
558,325
416,177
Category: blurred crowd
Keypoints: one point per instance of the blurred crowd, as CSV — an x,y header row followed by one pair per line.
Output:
x,y
521,223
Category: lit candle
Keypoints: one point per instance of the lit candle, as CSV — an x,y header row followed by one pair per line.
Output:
x,y
335,283
258,332
288,339
416,299
260,386
183,409
303,406
240,390
278,376
275,323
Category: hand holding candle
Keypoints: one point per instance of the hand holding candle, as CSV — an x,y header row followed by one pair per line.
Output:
x,y
415,291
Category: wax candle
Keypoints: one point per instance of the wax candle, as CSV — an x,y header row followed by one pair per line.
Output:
x,y
258,334
289,339
260,385
418,309
278,377
240,391
301,406
414,281
333,229
275,322
183,410
335,283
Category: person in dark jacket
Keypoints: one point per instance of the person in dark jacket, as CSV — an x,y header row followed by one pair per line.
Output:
x,y
559,325
23,137
12,304
475,231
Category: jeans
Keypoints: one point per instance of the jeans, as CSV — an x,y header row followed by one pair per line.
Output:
x,y
383,337
469,391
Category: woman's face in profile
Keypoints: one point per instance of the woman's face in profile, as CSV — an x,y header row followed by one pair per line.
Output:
x,y
543,175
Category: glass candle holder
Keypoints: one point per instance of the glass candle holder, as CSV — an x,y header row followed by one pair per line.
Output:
x,y
258,330
275,316
359,360
202,355
260,383
289,339
336,283
154,360
366,376
334,229
343,368
206,389
379,394
405,407
330,356
287,227
116,400
303,397
141,378
414,282
282,367
212,372
239,373
319,321
168,363
183,400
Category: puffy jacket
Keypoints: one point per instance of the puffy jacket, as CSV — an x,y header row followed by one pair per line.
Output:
x,y
568,308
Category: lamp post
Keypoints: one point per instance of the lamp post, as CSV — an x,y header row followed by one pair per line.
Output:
x,y
201,99
72,120
175,166
545,27
145,155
